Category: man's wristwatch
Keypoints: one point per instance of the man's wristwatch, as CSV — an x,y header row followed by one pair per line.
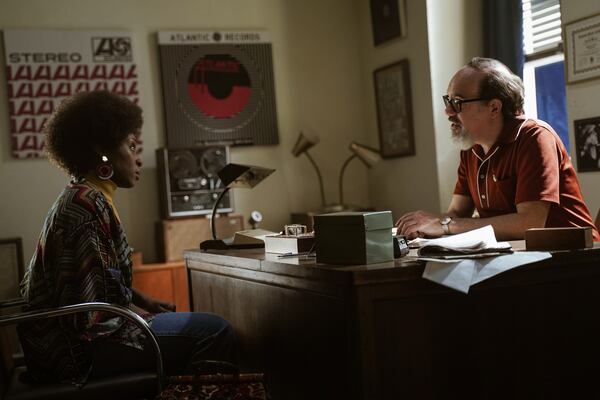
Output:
x,y
445,222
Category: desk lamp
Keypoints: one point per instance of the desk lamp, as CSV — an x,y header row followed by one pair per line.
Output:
x,y
306,140
367,155
234,176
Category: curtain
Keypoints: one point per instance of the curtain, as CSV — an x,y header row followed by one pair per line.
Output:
x,y
503,32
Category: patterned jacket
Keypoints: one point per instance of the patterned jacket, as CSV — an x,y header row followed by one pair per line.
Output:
x,y
82,256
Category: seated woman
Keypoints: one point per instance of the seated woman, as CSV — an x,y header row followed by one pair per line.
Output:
x,y
83,256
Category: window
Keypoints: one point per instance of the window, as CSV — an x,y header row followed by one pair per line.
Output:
x,y
541,26
543,71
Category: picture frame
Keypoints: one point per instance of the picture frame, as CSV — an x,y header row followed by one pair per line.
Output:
x,y
582,48
11,265
587,144
388,20
394,109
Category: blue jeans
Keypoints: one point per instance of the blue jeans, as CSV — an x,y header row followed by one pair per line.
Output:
x,y
185,340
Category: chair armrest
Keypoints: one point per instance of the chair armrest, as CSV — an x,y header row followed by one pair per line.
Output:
x,y
28,316
16,302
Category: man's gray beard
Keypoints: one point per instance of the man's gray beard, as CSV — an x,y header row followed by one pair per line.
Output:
x,y
463,139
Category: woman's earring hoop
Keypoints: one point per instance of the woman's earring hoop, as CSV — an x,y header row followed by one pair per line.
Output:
x,y
105,170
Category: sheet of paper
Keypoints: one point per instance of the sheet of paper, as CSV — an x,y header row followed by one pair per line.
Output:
x,y
475,240
460,275
455,275
489,267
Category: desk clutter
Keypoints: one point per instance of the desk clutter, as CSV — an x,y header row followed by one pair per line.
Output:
x,y
572,238
354,237
290,244
462,260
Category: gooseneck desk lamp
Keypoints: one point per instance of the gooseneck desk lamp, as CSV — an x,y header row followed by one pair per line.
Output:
x,y
368,155
305,141
234,176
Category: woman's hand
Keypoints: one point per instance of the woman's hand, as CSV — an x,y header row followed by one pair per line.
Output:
x,y
158,306
149,304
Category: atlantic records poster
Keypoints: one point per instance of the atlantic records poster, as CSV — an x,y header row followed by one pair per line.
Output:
x,y
218,88
43,67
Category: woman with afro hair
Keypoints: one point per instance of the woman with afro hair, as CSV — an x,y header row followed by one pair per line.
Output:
x,y
83,256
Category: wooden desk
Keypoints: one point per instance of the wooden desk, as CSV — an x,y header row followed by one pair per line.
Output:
x,y
382,332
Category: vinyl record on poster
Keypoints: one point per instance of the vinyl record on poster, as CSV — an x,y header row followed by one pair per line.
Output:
x,y
219,85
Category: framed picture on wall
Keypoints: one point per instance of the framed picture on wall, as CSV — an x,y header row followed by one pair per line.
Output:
x,y
11,264
394,110
587,144
582,48
388,19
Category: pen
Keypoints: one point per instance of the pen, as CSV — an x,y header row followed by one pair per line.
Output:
x,y
284,255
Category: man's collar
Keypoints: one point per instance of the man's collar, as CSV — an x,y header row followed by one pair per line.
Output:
x,y
508,134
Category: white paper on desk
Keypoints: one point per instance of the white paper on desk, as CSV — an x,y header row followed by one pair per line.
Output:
x,y
489,267
460,275
473,241
455,275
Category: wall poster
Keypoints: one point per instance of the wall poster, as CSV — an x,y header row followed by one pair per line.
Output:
x,y
45,66
218,88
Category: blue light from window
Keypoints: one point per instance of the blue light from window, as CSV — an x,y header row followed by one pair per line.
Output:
x,y
551,98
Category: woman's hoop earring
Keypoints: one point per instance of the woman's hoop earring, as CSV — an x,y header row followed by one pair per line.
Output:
x,y
105,170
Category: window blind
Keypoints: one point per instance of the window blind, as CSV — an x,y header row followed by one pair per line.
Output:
x,y
541,25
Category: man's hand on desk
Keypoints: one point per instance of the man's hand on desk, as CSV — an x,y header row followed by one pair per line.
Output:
x,y
419,224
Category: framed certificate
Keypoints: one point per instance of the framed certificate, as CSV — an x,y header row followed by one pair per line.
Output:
x,y
11,264
582,49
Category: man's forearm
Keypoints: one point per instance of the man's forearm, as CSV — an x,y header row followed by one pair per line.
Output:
x,y
506,227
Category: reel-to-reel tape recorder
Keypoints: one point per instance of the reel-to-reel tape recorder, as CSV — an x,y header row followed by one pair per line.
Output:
x,y
189,183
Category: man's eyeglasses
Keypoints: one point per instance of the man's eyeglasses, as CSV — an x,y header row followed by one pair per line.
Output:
x,y
456,104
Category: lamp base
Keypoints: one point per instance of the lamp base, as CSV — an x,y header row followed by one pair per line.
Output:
x,y
226,244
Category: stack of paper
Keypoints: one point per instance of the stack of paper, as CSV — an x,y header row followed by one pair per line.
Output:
x,y
473,244
251,236
461,270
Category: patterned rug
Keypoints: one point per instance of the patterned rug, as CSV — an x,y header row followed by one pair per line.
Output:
x,y
215,387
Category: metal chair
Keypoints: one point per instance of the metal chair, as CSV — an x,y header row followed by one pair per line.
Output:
x,y
136,385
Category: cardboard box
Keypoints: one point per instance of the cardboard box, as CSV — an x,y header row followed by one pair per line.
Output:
x,y
559,238
176,235
354,237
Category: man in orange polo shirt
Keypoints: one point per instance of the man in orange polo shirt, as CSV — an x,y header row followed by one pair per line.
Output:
x,y
517,174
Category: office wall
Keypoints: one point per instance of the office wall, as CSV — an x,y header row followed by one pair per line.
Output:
x,y
316,66
455,36
582,103
405,183
442,36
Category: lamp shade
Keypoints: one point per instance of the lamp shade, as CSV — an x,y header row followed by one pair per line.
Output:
x,y
305,141
368,155
243,176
